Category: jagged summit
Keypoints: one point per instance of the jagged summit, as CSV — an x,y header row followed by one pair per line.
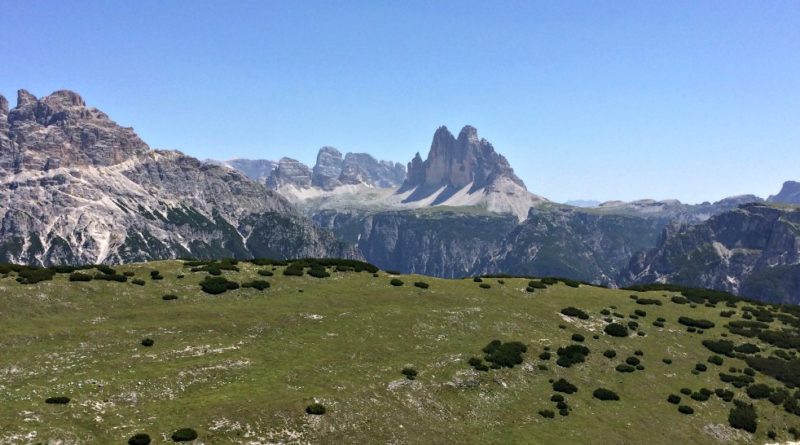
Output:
x,y
789,194
60,130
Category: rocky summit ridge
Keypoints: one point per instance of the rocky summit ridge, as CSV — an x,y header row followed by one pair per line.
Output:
x,y
76,187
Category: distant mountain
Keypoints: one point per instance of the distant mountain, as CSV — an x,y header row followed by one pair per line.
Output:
x,y
583,203
78,188
256,169
753,250
789,194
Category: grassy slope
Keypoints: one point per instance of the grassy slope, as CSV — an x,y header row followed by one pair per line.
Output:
x,y
242,366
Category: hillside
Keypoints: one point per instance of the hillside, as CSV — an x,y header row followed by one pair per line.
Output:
x,y
243,366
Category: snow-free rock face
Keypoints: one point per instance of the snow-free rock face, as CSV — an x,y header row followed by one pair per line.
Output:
x,y
753,250
789,194
78,188
256,169
328,168
290,172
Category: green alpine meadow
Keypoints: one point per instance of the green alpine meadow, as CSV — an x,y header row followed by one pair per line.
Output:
x,y
338,351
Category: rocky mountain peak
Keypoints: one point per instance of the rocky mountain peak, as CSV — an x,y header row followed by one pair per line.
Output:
x,y
3,105
59,131
290,172
789,194
327,169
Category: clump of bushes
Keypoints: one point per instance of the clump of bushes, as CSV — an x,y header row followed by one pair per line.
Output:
x,y
616,330
139,439
421,285
138,281
316,409
674,399
156,275
571,355
59,400
575,312
684,409
701,367
506,354
610,353
148,342
318,271
715,360
547,414
693,323
564,386
256,284
293,270
624,367
759,391
410,373
485,286
217,285
724,347
743,416
633,361
265,273
578,338
111,277
184,435
396,282
78,276
605,394
648,301
169,297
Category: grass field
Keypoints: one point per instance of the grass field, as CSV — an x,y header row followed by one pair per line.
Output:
x,y
242,366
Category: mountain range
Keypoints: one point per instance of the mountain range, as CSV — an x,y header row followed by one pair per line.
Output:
x,y
79,188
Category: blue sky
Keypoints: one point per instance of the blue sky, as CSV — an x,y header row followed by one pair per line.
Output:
x,y
603,100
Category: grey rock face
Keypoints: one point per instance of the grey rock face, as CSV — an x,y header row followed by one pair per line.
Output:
x,y
789,194
455,163
327,169
78,188
753,250
376,173
290,172
256,169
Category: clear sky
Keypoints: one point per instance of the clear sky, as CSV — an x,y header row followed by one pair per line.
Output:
x,y
693,100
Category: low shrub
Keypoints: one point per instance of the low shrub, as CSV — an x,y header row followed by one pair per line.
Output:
x,y
623,367
759,391
633,361
724,394
396,282
743,417
699,324
649,301
700,396
139,439
256,284
318,272
640,313
564,386
667,361
715,360
266,273
578,338
547,414
478,279
184,435
410,373
169,297
605,394
674,399
684,409
108,270
724,347
474,361
217,285
59,400
701,367
485,286
138,281
156,275
506,354
422,285
556,398
545,355
686,391
679,300
616,330
111,277
316,409
610,353
571,355
147,342
575,312
78,276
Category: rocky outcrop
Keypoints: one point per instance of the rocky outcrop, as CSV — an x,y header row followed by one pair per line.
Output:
x,y
327,169
363,168
789,194
78,188
290,172
753,250
256,169
672,210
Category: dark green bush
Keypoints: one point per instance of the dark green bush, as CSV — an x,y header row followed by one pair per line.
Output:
x,y
256,284
578,338
743,416
616,330
318,272
571,355
266,273
605,394
111,277
169,297
724,394
724,347
545,355
139,439
217,285
537,285
293,270
506,354
410,373
184,435
633,361
156,275
623,367
564,386
700,396
638,353
575,312
759,391
715,360
147,342
699,324
640,313
686,391
667,361
648,301
78,276
105,269
547,414
683,409
421,285
605,312
562,405
138,281
610,353
396,282
485,286
59,400
556,398
674,399
701,367
316,409
778,397
129,273
478,279
679,300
